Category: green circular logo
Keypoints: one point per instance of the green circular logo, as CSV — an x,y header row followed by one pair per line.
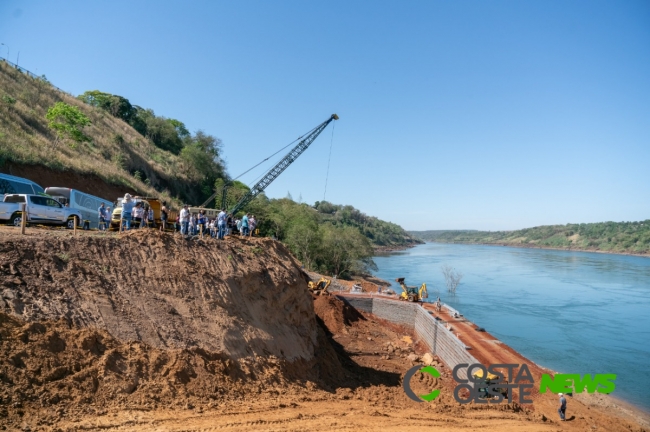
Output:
x,y
406,384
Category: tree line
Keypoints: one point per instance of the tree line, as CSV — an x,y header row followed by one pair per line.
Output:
x,y
331,239
200,153
628,237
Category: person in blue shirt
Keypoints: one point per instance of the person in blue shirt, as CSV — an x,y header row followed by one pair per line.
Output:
x,y
562,409
244,225
127,209
102,213
200,222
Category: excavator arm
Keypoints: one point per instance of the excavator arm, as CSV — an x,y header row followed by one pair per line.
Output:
x,y
422,293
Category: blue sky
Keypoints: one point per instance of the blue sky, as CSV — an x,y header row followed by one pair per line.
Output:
x,y
465,114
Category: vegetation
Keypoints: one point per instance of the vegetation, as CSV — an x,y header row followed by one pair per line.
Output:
x,y
452,278
200,154
115,149
338,241
618,237
67,121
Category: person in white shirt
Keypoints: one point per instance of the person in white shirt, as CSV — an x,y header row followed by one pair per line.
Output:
x,y
184,218
138,214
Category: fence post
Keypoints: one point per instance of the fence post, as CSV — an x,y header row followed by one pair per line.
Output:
x,y
23,218
75,224
201,228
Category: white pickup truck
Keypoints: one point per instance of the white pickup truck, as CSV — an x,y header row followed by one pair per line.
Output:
x,y
40,210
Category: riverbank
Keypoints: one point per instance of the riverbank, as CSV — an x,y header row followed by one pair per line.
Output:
x,y
513,293
488,349
380,250
530,246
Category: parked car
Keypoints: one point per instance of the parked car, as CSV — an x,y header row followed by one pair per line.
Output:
x,y
40,209
88,205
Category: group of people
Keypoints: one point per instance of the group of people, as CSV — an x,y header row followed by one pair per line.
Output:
x,y
224,224
135,214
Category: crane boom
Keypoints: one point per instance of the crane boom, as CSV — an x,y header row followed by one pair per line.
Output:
x,y
282,165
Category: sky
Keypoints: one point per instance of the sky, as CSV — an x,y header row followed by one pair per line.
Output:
x,y
482,115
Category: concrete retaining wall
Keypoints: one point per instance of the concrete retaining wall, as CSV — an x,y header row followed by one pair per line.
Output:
x,y
440,341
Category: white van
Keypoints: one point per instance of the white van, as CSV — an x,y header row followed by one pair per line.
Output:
x,y
17,185
88,205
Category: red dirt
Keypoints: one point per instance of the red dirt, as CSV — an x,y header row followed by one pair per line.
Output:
x,y
150,331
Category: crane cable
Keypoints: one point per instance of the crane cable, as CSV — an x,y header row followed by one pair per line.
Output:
x,y
255,166
328,161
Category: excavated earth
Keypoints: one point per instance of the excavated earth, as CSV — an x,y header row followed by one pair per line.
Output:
x,y
151,331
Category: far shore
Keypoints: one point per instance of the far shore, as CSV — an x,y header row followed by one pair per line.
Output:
x,y
528,246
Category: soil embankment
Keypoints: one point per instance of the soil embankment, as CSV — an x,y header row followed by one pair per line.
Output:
x,y
148,330
241,298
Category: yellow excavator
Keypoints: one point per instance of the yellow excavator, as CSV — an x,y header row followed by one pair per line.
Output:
x,y
320,287
412,293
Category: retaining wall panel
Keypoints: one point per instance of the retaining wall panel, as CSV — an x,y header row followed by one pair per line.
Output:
x,y
360,303
397,312
439,340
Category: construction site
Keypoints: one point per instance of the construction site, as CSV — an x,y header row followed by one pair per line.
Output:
x,y
147,330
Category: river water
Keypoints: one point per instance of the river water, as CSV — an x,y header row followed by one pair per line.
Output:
x,y
572,312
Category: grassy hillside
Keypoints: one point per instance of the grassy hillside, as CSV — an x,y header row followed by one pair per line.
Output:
x,y
115,153
135,150
617,237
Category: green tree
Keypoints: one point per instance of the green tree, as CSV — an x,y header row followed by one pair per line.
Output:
x,y
344,250
235,190
201,157
67,121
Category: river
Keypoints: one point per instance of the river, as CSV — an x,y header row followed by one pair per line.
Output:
x,y
572,312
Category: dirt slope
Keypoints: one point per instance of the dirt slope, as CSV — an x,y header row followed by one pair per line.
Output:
x,y
240,298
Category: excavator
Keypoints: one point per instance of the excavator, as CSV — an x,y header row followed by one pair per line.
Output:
x,y
320,287
412,293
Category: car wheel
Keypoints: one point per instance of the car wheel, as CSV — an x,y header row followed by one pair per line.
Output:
x,y
17,220
70,223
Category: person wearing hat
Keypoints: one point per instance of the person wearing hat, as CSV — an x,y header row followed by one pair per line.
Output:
x,y
127,208
184,217
221,224
562,409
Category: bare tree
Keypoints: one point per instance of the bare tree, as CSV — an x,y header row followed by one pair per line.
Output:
x,y
452,278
